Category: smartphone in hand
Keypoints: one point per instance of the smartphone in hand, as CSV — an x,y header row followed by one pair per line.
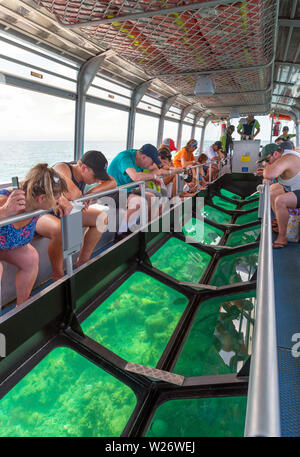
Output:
x,y
15,182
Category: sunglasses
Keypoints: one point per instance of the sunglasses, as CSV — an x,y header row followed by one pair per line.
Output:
x,y
268,159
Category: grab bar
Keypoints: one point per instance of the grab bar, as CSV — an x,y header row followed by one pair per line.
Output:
x,y
263,411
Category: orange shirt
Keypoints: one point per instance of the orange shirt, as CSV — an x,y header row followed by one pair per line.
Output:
x,y
189,157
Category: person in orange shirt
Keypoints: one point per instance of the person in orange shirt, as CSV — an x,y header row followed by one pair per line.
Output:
x,y
185,157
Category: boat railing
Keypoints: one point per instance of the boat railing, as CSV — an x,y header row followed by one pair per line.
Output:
x,y
263,411
92,196
78,204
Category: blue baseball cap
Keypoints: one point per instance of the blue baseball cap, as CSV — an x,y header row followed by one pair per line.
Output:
x,y
151,151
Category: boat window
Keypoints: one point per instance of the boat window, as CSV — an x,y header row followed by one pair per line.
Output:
x,y
114,94
35,128
24,63
170,130
152,101
110,86
172,115
100,130
186,134
198,132
146,128
175,110
149,107
36,48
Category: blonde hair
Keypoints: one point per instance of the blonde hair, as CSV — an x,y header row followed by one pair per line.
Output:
x,y
42,179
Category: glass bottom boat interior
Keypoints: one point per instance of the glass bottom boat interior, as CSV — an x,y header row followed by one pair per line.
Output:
x,y
186,307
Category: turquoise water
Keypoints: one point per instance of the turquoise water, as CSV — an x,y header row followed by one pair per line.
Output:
x,y
219,341
137,320
235,268
215,215
246,218
180,260
17,157
66,395
204,417
219,201
244,236
202,232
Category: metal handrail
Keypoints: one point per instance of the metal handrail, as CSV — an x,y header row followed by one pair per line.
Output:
x,y
263,411
40,212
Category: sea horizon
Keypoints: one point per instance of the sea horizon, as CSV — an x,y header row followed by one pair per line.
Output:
x,y
27,153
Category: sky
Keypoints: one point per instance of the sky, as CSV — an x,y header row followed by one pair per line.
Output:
x,y
26,115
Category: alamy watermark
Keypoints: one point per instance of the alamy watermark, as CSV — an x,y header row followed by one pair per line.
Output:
x,y
296,346
2,345
133,212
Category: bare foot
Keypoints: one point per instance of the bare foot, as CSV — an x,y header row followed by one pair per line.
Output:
x,y
80,262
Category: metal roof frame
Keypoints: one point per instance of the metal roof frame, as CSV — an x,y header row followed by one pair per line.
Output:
x,y
145,37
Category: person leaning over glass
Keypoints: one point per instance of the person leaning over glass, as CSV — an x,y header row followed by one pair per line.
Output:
x,y
41,189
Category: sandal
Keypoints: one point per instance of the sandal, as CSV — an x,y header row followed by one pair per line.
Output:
x,y
279,245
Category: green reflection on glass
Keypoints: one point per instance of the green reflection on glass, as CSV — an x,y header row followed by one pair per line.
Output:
x,y
223,203
202,232
66,395
137,320
251,217
244,236
207,417
220,339
229,194
235,268
181,260
215,215
250,205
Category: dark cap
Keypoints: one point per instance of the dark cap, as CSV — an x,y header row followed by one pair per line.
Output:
x,y
151,151
285,128
218,144
268,149
231,127
97,162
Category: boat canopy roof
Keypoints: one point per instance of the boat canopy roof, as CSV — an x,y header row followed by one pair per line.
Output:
x,y
249,49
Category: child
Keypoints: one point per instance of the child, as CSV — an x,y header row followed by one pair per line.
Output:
x,y
41,189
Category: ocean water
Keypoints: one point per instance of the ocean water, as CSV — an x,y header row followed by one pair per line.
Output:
x,y
66,395
17,157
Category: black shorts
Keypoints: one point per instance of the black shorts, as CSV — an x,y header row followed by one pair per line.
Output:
x,y
297,193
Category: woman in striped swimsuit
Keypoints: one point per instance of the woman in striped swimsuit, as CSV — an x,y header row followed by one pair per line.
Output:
x,y
40,190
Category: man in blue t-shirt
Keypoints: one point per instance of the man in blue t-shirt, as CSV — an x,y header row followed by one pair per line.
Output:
x,y
128,167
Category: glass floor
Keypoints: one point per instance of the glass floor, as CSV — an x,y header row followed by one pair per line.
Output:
x,y
67,395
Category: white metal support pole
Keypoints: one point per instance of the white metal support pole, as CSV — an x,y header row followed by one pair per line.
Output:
x,y
85,78
202,135
136,97
196,120
184,113
272,123
164,109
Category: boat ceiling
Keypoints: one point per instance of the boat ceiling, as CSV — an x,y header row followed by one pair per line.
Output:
x,y
250,49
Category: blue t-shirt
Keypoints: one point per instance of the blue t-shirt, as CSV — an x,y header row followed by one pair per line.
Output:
x,y
118,166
